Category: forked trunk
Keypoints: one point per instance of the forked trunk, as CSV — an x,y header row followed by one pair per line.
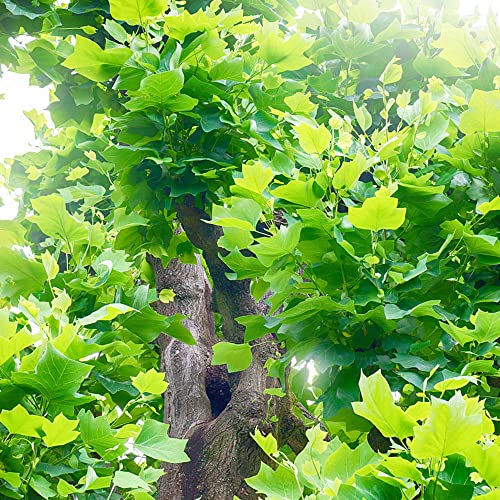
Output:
x,y
214,411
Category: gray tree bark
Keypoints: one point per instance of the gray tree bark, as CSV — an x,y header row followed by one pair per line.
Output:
x,y
214,411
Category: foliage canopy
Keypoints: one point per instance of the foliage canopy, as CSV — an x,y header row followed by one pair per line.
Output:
x,y
349,150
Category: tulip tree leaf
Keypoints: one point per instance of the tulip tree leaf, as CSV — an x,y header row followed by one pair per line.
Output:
x,y
54,220
285,54
19,421
56,376
313,139
19,275
377,213
483,114
451,428
96,64
279,483
154,442
137,11
60,431
150,381
155,90
237,357
379,408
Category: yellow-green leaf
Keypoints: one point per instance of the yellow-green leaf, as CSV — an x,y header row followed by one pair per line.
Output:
x,y
166,295
136,11
451,428
268,443
379,408
60,431
19,421
392,72
54,220
106,313
458,47
96,64
300,103
313,139
150,381
489,206
349,172
377,213
483,114
255,177
11,346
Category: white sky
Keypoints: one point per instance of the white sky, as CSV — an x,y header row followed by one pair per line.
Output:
x,y
16,131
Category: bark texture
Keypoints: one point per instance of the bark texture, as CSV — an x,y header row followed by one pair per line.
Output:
x,y
216,413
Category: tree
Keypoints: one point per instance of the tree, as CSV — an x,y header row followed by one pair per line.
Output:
x,y
279,215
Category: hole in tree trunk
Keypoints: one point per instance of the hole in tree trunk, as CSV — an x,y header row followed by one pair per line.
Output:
x,y
217,387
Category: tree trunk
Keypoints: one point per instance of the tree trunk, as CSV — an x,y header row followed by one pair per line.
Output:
x,y
214,411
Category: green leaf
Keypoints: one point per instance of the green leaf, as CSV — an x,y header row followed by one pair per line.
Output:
x,y
19,275
477,244
237,357
451,428
458,47
96,433
148,324
483,114
166,296
19,421
64,489
128,480
13,478
15,344
379,408
486,461
153,441
392,73
300,103
279,483
285,54
377,213
305,193
487,326
42,486
313,139
255,178
56,376
180,26
314,305
157,90
105,313
489,206
369,488
268,443
150,381
136,11
363,117
60,431
55,221
345,462
429,135
284,242
11,233
94,63
363,11
243,214
50,265
453,383
348,174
